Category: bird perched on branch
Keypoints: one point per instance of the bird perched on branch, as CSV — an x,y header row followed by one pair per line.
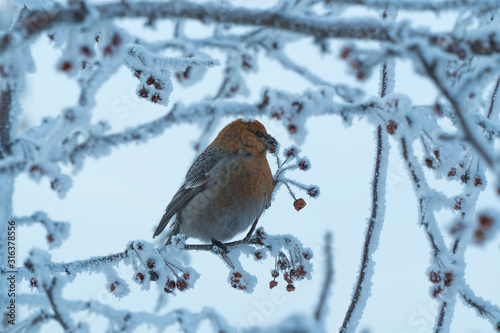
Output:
x,y
227,188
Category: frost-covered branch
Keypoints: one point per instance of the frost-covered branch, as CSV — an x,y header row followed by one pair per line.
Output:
x,y
421,188
5,121
57,231
320,312
363,284
483,308
441,5
470,133
317,27
123,320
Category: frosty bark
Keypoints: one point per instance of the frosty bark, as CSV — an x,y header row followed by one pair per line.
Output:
x,y
6,183
470,133
362,289
319,314
422,5
5,121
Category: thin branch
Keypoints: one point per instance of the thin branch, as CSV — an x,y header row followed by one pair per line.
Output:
x,y
428,222
114,259
40,21
362,289
5,121
317,27
493,99
469,132
483,308
432,5
55,307
441,317
320,308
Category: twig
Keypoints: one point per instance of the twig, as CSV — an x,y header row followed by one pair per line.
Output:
x,y
441,316
5,121
441,5
483,308
493,99
372,232
57,313
470,134
320,308
428,222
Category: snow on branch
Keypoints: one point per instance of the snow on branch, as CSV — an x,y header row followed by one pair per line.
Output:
x,y
362,28
440,5
57,231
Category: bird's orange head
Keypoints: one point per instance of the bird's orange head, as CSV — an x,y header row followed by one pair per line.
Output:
x,y
250,135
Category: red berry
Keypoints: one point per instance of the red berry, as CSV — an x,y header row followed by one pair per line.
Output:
x,y
144,93
275,114
112,287
86,51
139,277
303,165
290,287
346,52
430,163
150,81
453,172
275,273
436,291
181,284
485,221
117,39
50,238
436,153
158,85
478,181
391,127
272,284
479,236
299,204
298,106
290,152
313,192
37,169
108,51
156,98
151,263
153,276
170,284
69,115
34,282
448,278
438,110
66,66
434,277
292,129
186,276
258,255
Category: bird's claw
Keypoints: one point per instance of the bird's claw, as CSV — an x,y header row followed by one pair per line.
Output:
x,y
219,247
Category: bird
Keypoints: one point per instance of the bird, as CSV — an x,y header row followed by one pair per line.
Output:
x,y
227,188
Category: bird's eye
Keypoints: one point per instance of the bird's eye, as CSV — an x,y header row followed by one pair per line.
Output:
x,y
259,134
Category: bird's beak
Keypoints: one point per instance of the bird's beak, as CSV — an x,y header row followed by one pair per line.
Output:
x,y
271,144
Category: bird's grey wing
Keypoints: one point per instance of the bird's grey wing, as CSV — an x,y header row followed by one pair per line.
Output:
x,y
196,180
